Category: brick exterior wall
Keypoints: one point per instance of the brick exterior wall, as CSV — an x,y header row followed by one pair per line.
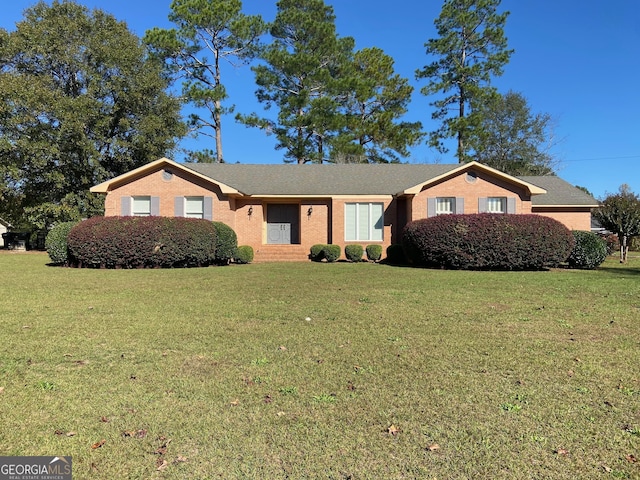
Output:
x,y
458,186
322,220
574,218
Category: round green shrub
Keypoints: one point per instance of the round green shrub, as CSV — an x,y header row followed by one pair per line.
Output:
x,y
244,254
56,242
317,252
588,252
226,243
374,253
353,252
395,254
331,253
487,241
142,242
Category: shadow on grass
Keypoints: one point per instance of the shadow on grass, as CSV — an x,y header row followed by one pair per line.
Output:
x,y
620,271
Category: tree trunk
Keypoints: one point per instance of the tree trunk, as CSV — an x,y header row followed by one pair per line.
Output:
x,y
218,122
624,248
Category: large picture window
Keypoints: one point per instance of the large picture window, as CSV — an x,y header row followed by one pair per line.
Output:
x,y
364,221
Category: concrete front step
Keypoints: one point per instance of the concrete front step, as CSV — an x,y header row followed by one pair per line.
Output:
x,y
281,253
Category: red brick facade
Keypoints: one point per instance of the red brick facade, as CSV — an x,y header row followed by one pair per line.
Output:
x,y
322,219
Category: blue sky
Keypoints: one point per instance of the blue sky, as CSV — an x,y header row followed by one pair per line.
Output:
x,y
576,60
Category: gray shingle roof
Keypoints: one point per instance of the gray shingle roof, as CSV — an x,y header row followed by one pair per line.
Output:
x,y
361,179
349,179
559,192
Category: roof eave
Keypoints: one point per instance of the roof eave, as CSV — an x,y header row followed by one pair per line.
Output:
x,y
533,189
109,185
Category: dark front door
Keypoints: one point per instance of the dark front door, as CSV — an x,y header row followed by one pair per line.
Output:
x,y
282,223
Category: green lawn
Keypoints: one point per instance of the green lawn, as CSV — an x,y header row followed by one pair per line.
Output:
x,y
399,373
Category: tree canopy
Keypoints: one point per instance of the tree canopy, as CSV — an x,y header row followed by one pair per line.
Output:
x,y
297,77
80,102
620,214
206,27
333,104
471,48
510,137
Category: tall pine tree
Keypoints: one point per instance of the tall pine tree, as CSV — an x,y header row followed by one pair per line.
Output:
x,y
471,48
207,32
298,78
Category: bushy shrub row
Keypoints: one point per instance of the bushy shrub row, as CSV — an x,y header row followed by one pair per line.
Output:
x,y
244,254
353,252
374,252
226,243
139,242
330,253
56,242
487,241
589,250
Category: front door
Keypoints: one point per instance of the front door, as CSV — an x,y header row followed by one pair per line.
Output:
x,y
282,223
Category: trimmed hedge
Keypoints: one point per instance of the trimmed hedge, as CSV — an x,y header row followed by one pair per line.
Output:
x,y
589,251
244,254
331,253
374,253
353,252
395,254
142,242
487,241
226,243
56,242
317,252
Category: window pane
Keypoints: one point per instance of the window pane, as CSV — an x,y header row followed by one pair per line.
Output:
x,y
141,206
445,205
194,207
377,219
363,221
496,204
350,222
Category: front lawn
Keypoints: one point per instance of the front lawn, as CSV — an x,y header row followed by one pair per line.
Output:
x,y
322,371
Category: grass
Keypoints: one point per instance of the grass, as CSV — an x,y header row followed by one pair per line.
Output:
x,y
398,373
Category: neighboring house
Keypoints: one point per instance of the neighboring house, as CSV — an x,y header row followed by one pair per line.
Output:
x,y
4,228
282,210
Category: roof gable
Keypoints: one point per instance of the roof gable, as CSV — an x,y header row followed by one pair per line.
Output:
x,y
329,180
465,167
151,167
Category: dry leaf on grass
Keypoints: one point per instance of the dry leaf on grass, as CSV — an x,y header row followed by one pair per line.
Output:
x,y
562,451
393,430
631,458
433,447
161,464
98,444
1,390
235,403
104,419
180,458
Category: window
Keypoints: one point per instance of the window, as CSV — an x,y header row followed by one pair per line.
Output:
x,y
194,207
141,206
364,221
445,205
497,204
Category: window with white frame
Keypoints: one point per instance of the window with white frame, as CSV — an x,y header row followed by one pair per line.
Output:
x,y
141,206
364,221
445,205
194,207
497,204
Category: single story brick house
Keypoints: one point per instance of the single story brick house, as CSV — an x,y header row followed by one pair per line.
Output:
x,y
282,210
